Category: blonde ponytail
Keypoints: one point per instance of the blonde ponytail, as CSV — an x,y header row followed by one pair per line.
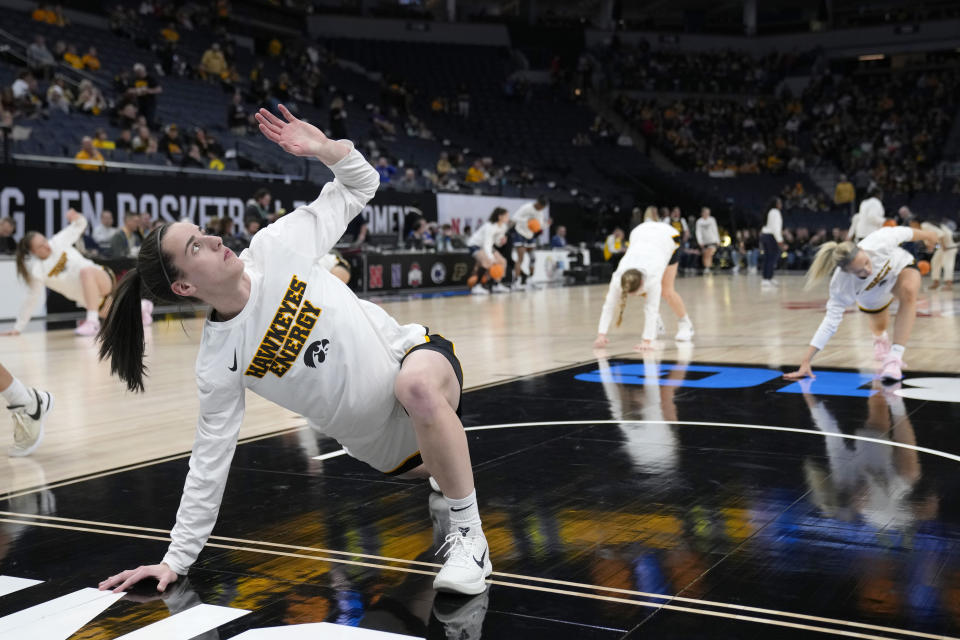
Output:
x,y
651,215
830,256
630,281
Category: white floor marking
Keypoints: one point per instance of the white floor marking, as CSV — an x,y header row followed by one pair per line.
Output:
x,y
730,425
187,624
332,454
57,619
936,389
9,584
318,631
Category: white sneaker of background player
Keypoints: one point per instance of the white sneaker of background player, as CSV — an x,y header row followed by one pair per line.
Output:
x,y
499,288
479,290
27,426
467,563
684,332
87,328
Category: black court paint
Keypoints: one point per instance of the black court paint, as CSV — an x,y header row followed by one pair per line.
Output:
x,y
642,528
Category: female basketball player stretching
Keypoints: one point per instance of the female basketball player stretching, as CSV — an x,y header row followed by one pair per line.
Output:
x,y
287,329
870,274
648,268
56,264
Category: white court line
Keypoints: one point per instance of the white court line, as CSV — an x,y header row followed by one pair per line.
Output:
x,y
57,619
187,624
731,425
9,584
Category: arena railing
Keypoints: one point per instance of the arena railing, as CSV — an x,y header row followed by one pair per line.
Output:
x,y
154,168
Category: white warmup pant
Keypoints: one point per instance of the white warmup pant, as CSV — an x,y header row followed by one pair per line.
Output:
x,y
943,259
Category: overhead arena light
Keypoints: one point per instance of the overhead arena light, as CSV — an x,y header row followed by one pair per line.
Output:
x,y
871,56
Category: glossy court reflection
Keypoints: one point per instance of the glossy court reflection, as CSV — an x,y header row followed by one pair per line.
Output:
x,y
682,499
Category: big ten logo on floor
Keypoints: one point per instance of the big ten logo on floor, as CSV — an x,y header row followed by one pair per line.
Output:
x,y
827,383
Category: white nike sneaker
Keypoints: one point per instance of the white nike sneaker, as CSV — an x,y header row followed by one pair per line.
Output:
x,y
684,333
28,427
479,290
467,564
518,286
434,485
500,288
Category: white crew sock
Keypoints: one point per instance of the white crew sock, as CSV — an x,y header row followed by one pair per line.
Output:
x,y
92,316
686,320
464,515
897,350
18,395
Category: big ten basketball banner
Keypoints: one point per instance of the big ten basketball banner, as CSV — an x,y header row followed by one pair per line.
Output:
x,y
463,211
373,272
38,198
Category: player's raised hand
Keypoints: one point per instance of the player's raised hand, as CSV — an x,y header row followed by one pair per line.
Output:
x,y
301,138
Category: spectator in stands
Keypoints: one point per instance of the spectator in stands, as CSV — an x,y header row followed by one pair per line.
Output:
x,y
844,194
102,141
54,16
338,119
104,231
89,152
26,98
382,125
145,89
90,59
89,99
8,246
446,239
171,145
39,58
463,101
145,226
193,159
476,173
443,165
213,64
250,228
72,58
225,229
409,182
559,239
614,247
420,237
238,120
214,161
169,33
144,142
126,242
258,208
207,143
59,96
385,169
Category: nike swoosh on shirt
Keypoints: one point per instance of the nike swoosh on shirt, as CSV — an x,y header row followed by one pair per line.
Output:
x,y
234,367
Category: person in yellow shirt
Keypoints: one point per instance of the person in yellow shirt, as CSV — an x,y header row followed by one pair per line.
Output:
x,y
476,173
844,194
215,163
89,152
101,141
71,57
90,59
170,33
275,48
213,63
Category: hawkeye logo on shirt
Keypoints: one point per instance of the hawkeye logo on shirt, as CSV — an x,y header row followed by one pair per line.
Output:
x,y
59,267
288,332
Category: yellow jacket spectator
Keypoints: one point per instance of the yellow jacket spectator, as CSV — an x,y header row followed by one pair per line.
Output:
x,y
170,33
844,193
216,164
89,152
71,57
101,141
476,173
275,48
213,63
90,59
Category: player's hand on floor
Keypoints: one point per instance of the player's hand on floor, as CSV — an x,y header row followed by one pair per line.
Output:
x,y
163,574
805,371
